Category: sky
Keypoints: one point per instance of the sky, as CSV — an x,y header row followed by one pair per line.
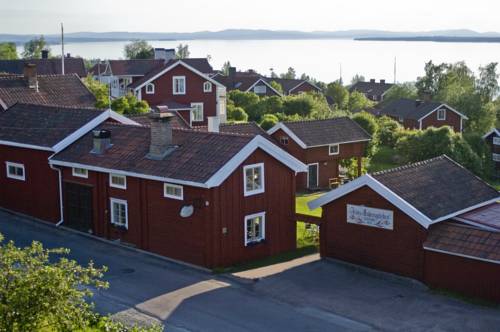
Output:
x,y
44,16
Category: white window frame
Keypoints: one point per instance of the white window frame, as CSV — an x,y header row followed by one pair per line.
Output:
x,y
193,105
174,79
112,214
496,157
263,180
443,110
262,237
150,91
114,185
496,140
207,86
84,175
176,186
284,140
262,89
330,153
15,176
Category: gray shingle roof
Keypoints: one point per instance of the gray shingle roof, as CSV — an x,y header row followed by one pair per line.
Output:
x,y
328,131
371,88
62,90
248,128
135,67
199,155
45,66
437,187
42,125
408,108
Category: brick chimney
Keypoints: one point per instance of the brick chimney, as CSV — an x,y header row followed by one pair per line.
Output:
x,y
161,135
45,54
29,72
382,81
232,72
102,141
372,80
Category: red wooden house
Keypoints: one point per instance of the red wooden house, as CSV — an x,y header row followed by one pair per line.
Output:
x,y
211,199
321,145
29,135
492,138
433,221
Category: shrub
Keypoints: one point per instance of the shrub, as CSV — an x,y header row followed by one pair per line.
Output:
x,y
268,121
236,114
388,131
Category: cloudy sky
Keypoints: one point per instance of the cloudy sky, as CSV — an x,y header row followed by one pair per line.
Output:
x,y
43,16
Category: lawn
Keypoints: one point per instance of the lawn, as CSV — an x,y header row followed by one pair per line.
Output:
x,y
383,159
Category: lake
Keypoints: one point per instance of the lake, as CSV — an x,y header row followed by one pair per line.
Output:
x,y
320,59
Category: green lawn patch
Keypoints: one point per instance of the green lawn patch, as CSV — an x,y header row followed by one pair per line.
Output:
x,y
383,159
301,204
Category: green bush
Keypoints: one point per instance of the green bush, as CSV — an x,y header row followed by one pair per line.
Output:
x,y
268,121
388,131
236,114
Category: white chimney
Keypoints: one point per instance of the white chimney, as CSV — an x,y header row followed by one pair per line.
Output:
x,y
213,124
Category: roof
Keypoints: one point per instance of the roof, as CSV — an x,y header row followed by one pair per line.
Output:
x,y
199,64
464,241
178,121
135,67
201,159
371,88
49,127
495,131
98,68
289,84
487,217
247,128
429,191
311,133
62,90
45,66
412,109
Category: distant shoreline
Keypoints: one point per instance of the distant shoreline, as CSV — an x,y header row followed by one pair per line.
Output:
x,y
438,39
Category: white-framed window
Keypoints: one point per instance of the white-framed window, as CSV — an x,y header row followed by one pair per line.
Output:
x,y
207,87
196,112
333,149
179,85
496,140
441,114
496,157
119,212
284,140
15,171
260,89
173,191
255,228
118,181
80,172
253,179
150,88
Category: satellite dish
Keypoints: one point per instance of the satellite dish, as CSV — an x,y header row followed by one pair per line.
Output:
x,y
187,211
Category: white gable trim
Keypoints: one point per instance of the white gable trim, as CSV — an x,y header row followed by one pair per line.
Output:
x,y
470,208
257,142
26,146
301,83
494,130
263,81
175,64
4,105
389,195
282,126
449,107
475,224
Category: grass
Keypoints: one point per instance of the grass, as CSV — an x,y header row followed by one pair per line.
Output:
x,y
383,159
301,204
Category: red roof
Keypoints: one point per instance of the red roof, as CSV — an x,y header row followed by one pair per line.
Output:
x,y
488,216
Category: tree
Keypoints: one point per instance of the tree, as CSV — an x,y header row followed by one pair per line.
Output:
x,y
276,86
225,68
182,51
339,94
358,101
8,51
487,84
268,121
129,105
398,91
388,131
370,125
33,48
290,74
243,99
357,78
428,85
99,90
139,49
236,114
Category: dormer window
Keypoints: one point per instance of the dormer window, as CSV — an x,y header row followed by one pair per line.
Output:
x,y
333,149
441,114
207,87
150,89
179,85
253,179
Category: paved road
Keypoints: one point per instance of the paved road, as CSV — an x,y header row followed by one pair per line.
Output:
x,y
144,288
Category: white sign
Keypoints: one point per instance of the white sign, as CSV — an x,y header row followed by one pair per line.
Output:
x,y
372,217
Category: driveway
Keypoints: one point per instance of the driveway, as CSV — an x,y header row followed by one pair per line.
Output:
x,y
311,295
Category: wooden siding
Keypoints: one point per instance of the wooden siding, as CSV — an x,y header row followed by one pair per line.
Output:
x,y
452,120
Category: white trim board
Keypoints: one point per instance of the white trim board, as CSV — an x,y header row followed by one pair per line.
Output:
x,y
303,82
267,84
494,130
440,106
461,255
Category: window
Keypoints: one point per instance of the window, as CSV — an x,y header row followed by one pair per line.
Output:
x,y
196,112
333,149
207,87
150,89
284,140
255,227
179,83
80,172
15,171
253,180
173,191
496,157
118,181
119,212
260,89
442,114
496,140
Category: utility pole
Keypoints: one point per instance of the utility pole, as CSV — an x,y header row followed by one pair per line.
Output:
x,y
62,49
395,70
340,79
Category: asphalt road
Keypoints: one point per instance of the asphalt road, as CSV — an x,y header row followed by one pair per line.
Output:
x,y
148,289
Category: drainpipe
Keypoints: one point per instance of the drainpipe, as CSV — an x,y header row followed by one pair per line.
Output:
x,y
61,208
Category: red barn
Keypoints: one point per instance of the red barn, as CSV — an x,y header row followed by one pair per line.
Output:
x,y
417,221
211,199
321,144
29,135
